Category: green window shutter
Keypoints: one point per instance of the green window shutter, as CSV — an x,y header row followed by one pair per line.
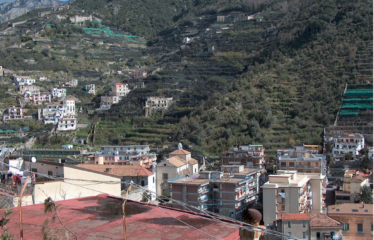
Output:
x,y
347,226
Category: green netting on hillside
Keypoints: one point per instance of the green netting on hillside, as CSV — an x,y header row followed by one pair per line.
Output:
x,y
357,105
348,113
359,92
358,100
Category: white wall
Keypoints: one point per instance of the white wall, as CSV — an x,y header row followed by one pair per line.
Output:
x,y
269,201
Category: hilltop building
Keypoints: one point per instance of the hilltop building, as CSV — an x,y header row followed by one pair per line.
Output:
x,y
39,98
23,80
13,113
252,156
156,103
139,74
80,19
28,91
345,143
90,89
292,192
58,92
120,90
67,123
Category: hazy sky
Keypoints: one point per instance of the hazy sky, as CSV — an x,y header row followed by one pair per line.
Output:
x,y
3,1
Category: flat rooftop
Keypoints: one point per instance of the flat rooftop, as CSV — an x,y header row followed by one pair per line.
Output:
x,y
101,217
191,181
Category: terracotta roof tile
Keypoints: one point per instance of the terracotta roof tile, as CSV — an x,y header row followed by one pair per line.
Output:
x,y
177,161
180,152
358,179
295,216
193,161
351,208
119,170
322,220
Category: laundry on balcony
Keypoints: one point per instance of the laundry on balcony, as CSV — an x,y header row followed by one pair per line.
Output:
x,y
283,195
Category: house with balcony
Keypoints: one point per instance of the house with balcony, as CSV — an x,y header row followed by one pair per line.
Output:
x,y
345,143
123,158
120,90
70,83
51,113
292,192
228,192
132,149
41,98
356,219
251,156
67,123
301,159
69,105
353,183
107,101
13,113
58,92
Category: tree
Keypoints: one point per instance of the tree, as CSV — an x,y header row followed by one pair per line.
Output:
x,y
348,156
328,147
4,235
291,142
367,195
146,196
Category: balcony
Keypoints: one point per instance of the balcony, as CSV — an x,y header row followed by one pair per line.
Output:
x,y
345,231
360,232
203,190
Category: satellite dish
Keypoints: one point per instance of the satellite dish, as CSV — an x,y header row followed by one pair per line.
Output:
x,y
33,159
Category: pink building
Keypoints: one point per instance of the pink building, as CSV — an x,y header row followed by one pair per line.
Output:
x,y
120,89
38,99
14,113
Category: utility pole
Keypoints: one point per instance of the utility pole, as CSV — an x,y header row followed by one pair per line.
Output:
x,y
20,208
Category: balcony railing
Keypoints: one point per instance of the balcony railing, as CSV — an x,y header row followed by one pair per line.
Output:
x,y
360,232
345,231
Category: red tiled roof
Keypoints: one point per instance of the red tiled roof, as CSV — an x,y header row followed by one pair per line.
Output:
x,y
295,216
94,217
177,161
180,152
322,220
118,170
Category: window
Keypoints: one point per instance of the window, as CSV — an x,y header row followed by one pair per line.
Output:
x,y
284,208
304,234
165,176
359,228
289,234
50,173
289,224
304,223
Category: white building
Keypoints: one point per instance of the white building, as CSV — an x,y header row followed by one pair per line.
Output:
x,y
156,103
23,80
133,149
292,192
347,143
67,123
69,105
90,89
58,92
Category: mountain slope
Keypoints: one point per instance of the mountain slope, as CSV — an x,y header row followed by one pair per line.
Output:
x,y
11,10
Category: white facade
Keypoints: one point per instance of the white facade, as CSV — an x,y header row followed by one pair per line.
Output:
x,y
292,192
67,124
24,80
141,149
58,92
165,171
348,143
69,105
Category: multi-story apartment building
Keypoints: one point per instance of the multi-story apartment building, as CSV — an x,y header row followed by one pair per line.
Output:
x,y
353,183
156,103
301,159
128,149
344,143
52,113
228,192
120,90
247,155
71,83
67,124
39,99
356,219
292,192
179,163
13,113
58,92
69,105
